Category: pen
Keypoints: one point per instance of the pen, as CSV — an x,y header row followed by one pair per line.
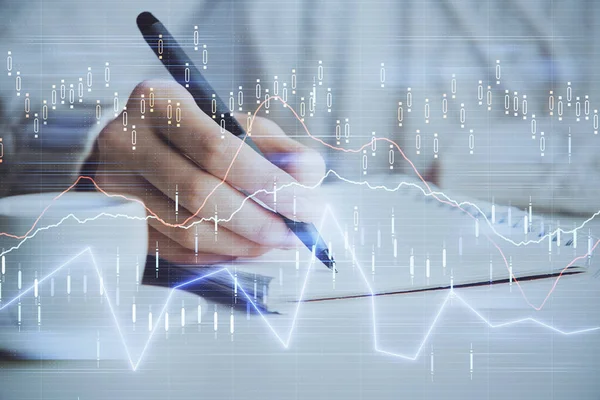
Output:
x,y
181,67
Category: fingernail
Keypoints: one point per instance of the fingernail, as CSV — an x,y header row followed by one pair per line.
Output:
x,y
290,240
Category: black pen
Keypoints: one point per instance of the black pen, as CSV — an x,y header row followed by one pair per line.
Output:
x,y
181,67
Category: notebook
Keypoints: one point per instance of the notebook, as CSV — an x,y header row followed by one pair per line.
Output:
x,y
402,239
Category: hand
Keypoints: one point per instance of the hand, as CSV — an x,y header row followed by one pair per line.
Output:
x,y
205,168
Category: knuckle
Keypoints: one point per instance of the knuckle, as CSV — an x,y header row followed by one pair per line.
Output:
x,y
264,229
195,197
144,87
256,251
162,90
110,138
196,188
266,182
217,152
140,89
185,237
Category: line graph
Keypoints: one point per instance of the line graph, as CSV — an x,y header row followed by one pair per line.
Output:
x,y
284,339
439,196
457,192
425,193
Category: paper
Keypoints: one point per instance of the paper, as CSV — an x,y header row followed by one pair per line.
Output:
x,y
404,240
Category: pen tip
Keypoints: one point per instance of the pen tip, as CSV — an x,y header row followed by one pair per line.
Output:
x,y
326,259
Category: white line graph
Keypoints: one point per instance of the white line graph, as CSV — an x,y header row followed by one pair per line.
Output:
x,y
285,339
311,187
452,202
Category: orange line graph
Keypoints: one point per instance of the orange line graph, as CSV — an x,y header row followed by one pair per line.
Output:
x,y
342,149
